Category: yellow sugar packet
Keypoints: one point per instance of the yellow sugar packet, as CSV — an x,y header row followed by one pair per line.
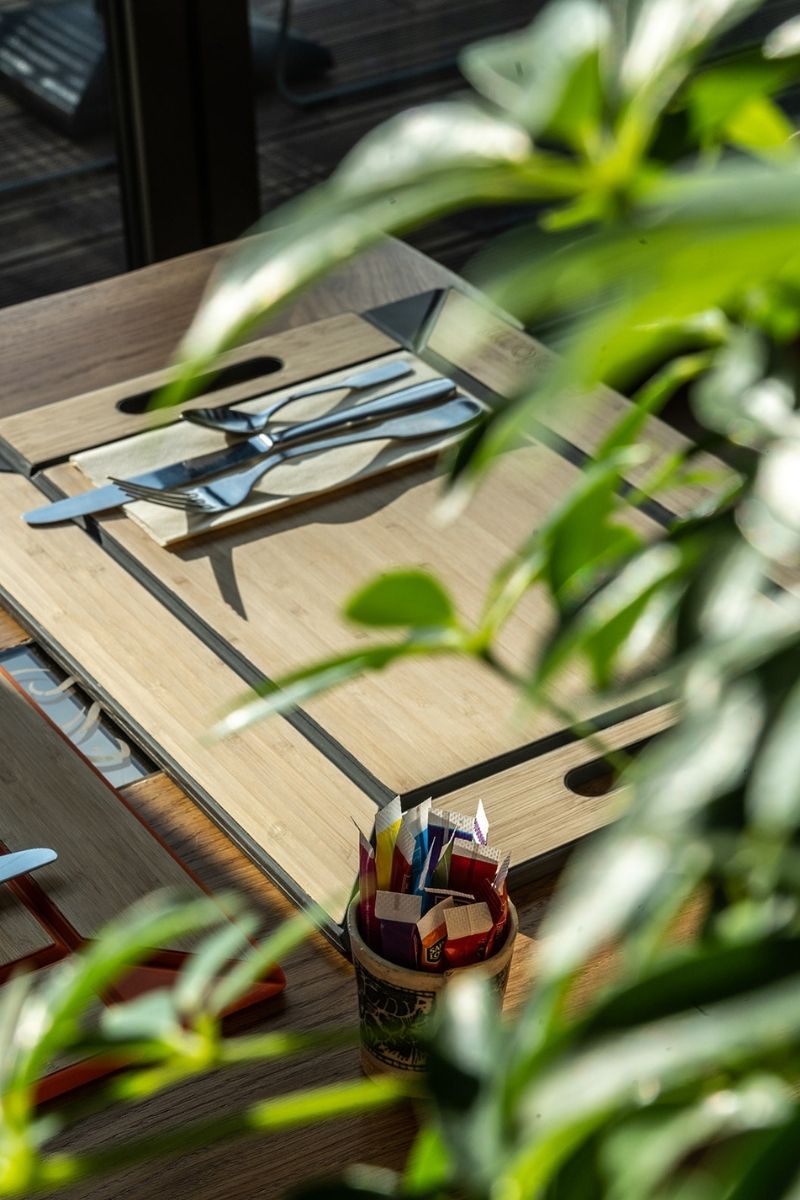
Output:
x,y
387,824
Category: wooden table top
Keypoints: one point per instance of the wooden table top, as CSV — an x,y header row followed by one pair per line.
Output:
x,y
91,338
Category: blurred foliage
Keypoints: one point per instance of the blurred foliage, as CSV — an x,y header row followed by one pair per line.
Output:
x,y
664,177
666,180
162,1037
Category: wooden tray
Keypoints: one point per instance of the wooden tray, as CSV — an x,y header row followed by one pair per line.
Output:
x,y
166,637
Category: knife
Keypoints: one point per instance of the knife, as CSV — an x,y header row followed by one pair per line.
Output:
x,y
101,499
22,861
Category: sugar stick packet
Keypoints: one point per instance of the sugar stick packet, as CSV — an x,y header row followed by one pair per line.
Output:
x,y
387,825
441,872
416,819
438,833
463,826
459,897
469,927
497,903
402,860
432,935
367,887
480,825
470,863
398,916
502,873
420,884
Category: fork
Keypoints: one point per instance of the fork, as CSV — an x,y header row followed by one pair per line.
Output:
x,y
225,493
231,421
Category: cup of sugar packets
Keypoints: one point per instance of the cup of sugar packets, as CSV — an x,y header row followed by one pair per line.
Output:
x,y
395,1002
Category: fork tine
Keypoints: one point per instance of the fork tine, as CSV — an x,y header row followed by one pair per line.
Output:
x,y
163,501
142,489
169,498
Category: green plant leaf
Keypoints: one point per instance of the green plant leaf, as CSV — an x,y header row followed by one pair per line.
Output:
x,y
419,165
299,686
703,757
151,1017
718,97
773,793
437,138
402,598
549,76
619,626
783,41
355,1183
775,1172
736,399
647,1148
666,33
15,998
463,1051
770,516
202,968
247,971
627,1071
73,986
429,1166
693,976
581,537
760,126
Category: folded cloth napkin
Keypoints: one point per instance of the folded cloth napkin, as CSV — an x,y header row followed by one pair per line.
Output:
x,y
286,484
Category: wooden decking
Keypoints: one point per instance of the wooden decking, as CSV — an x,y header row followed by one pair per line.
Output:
x,y
60,222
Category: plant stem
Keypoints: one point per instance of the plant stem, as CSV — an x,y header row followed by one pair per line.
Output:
x,y
488,656
587,729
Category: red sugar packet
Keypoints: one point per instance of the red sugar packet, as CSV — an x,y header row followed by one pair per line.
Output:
x,y
471,863
469,928
367,887
497,903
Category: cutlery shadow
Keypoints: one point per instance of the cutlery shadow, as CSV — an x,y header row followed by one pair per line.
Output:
x,y
363,497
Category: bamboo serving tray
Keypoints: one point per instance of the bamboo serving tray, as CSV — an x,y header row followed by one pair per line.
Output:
x,y
167,636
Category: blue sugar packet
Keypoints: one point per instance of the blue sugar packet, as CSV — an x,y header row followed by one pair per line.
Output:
x,y
422,881
416,821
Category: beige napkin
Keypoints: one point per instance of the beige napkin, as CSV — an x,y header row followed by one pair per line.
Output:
x,y
285,484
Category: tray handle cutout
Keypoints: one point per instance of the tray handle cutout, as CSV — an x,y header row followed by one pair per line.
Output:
x,y
599,777
241,372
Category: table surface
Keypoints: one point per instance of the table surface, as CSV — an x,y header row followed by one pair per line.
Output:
x,y
93,337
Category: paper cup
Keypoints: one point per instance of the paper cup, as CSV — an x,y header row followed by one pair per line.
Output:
x,y
394,1002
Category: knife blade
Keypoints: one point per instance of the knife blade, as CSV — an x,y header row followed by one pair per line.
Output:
x,y
20,862
178,474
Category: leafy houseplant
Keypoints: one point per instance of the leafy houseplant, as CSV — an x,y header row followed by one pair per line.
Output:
x,y
667,243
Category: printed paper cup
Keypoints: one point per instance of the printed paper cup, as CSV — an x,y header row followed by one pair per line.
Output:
x,y
394,1002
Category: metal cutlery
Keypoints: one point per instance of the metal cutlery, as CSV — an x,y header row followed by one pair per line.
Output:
x,y
231,420
227,492
20,862
178,474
